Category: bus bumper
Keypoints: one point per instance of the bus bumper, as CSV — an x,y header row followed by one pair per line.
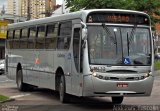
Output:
x,y
94,86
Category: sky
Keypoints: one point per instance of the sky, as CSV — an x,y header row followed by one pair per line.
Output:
x,y
59,2
4,2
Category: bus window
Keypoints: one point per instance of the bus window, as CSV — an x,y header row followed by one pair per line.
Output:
x,y
76,45
16,39
31,40
40,38
23,39
10,34
64,37
17,34
24,33
51,37
10,39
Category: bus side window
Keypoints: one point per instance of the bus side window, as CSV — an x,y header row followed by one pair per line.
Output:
x,y
16,38
32,35
64,36
40,37
51,36
9,39
23,39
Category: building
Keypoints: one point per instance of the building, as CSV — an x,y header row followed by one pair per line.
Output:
x,y
34,9
10,7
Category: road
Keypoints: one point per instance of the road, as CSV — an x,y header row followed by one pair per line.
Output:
x,y
48,100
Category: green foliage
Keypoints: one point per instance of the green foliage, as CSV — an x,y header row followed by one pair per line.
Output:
x,y
149,6
157,65
3,98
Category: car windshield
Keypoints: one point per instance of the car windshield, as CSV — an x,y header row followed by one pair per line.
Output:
x,y
113,45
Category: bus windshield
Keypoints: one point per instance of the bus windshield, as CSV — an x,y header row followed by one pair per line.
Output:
x,y
117,45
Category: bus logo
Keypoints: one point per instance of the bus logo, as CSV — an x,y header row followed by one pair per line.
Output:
x,y
36,61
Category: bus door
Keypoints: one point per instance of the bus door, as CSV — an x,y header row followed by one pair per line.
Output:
x,y
76,64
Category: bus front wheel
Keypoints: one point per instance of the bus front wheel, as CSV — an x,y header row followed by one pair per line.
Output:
x,y
62,92
117,100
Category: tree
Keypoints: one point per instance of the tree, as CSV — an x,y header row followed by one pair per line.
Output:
x,y
152,7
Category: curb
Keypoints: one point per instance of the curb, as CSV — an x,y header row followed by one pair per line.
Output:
x,y
8,100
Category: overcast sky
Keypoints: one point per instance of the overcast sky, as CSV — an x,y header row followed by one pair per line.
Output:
x,y
59,2
2,2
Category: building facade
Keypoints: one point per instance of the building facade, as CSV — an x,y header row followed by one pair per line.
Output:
x,y
34,9
10,7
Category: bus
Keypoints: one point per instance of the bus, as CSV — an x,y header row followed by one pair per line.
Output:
x,y
89,53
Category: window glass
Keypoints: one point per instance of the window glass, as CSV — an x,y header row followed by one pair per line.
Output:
x,y
23,43
114,45
76,47
9,39
64,37
41,31
51,38
16,39
10,34
15,43
17,34
24,33
40,40
9,44
31,43
31,40
32,33
24,38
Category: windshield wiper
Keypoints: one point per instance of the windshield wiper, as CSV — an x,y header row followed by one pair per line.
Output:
x,y
128,43
130,39
114,40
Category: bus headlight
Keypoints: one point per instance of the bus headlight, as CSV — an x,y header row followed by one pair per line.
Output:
x,y
94,73
147,75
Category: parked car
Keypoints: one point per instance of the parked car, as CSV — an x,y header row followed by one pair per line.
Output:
x,y
157,56
2,62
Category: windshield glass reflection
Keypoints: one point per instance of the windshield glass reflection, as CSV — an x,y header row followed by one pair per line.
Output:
x,y
114,45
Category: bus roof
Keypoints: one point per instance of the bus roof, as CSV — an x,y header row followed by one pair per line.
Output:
x,y
74,15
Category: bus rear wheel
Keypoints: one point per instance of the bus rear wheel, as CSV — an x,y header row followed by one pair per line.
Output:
x,y
62,92
117,100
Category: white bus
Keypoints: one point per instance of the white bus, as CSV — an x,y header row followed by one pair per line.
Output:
x,y
99,52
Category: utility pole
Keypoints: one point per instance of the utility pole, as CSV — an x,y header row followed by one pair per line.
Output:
x,y
28,10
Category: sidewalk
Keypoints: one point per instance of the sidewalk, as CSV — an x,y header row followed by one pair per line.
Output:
x,y
157,73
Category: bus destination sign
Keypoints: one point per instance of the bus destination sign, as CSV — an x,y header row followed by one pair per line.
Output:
x,y
117,18
114,18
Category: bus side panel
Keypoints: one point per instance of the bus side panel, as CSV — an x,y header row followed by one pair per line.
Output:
x,y
60,58
46,67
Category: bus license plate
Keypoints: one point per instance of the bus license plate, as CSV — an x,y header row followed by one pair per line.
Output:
x,y
122,85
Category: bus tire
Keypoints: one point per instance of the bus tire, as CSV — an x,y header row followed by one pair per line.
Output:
x,y
62,90
117,100
19,80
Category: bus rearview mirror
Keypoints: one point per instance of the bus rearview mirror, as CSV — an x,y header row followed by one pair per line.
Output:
x,y
84,34
84,31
